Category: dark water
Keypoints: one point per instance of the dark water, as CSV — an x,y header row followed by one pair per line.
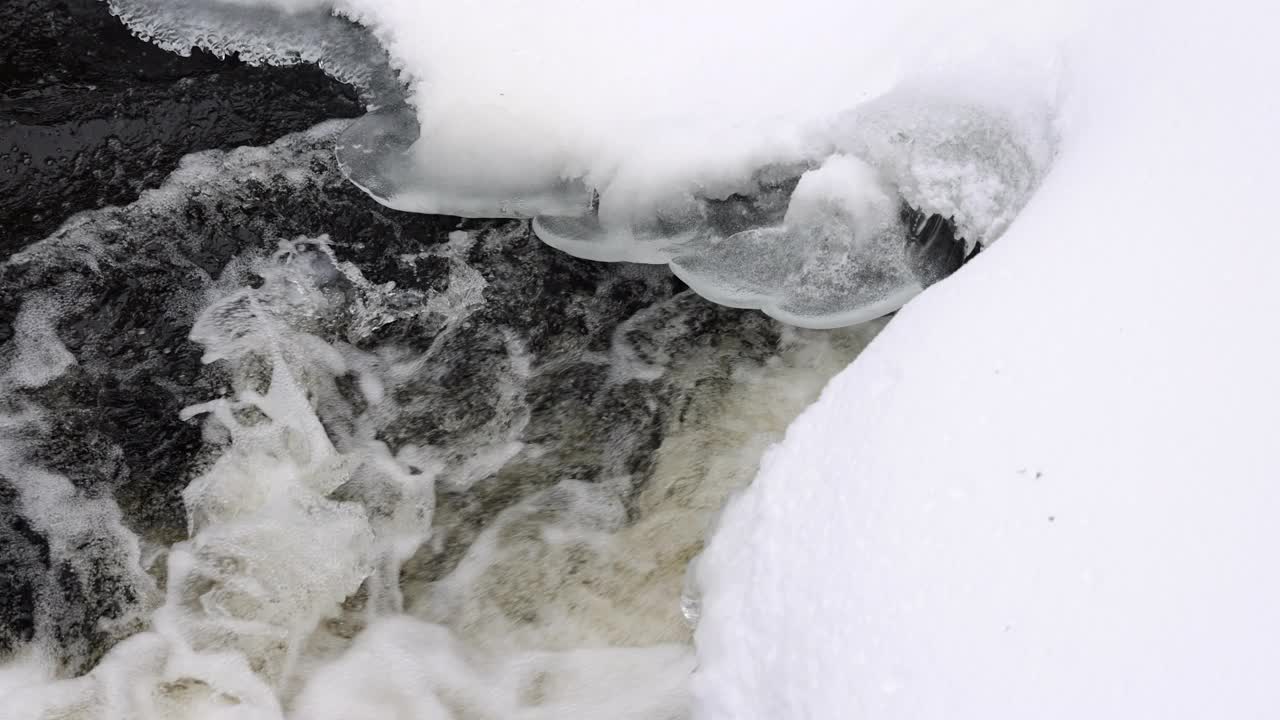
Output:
x,y
90,115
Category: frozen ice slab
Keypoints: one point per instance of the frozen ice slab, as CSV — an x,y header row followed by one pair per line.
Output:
x,y
658,232
838,258
825,249
381,153
781,272
371,151
586,236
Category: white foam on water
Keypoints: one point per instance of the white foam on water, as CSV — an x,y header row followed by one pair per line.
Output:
x,y
404,668
565,568
38,355
269,554
90,551
286,600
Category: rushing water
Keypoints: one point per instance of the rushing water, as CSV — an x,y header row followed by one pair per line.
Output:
x,y
271,450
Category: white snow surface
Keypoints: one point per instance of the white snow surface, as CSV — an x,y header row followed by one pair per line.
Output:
x,y
645,99
1050,488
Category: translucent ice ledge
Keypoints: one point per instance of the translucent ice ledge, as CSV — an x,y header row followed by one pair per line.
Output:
x,y
676,132
816,240
284,33
820,241
375,154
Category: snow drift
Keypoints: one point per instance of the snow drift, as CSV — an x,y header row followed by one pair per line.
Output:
x,y
1049,488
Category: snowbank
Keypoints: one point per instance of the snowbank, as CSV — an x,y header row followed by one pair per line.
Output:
x,y
1049,489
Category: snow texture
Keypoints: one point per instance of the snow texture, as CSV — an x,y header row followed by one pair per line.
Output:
x,y
1049,488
